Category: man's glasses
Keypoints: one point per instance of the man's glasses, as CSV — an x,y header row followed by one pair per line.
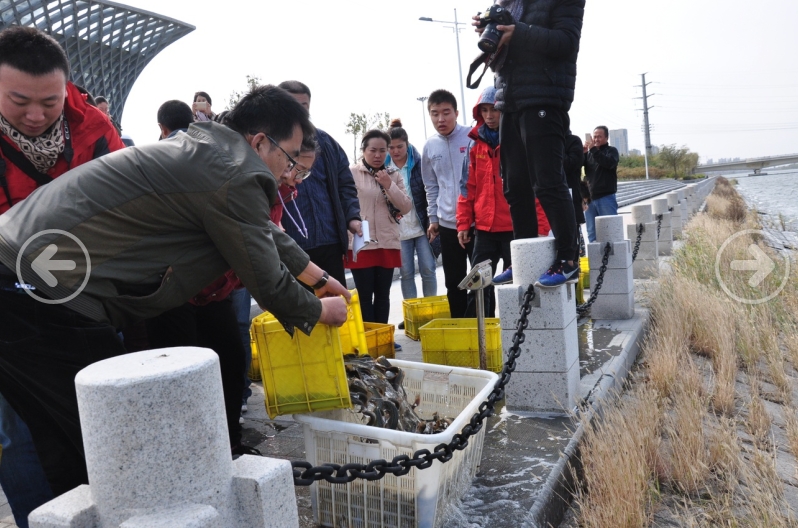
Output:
x,y
291,161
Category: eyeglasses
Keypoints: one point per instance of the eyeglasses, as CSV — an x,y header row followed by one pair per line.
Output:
x,y
302,174
291,161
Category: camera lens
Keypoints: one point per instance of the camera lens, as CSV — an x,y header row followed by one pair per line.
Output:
x,y
490,39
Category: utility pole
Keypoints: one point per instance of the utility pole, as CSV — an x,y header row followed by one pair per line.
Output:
x,y
646,125
456,27
423,113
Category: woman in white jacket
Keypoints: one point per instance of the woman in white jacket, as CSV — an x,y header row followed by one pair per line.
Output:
x,y
383,201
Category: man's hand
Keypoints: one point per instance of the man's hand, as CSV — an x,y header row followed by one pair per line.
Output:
x,y
333,288
588,144
507,35
356,227
463,238
432,232
476,22
333,311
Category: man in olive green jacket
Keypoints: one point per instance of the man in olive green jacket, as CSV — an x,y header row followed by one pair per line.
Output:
x,y
136,233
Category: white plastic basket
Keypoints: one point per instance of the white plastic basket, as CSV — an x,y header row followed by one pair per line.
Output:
x,y
420,498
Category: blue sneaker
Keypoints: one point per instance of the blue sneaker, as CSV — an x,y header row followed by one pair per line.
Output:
x,y
397,347
559,273
505,277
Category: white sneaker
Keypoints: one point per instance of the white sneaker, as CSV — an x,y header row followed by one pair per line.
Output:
x,y
244,408
240,419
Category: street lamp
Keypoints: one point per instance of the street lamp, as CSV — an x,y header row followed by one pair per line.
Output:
x,y
459,63
423,113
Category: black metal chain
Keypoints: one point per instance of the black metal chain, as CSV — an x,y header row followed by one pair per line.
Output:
x,y
305,474
659,224
640,229
594,288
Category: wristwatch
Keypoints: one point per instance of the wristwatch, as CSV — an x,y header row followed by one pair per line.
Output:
x,y
322,281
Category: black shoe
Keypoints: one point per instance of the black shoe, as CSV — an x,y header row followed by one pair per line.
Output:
x,y
241,449
401,326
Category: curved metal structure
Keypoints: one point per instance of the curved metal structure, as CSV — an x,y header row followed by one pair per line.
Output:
x,y
108,44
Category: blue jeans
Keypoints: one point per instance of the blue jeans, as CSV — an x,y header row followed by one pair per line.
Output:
x,y
242,302
604,206
426,263
21,475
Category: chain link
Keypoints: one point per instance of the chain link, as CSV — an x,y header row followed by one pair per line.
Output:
x,y
594,288
640,229
659,224
306,474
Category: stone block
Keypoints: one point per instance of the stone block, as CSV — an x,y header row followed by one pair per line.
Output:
x,y
179,516
645,269
543,391
611,306
73,509
665,247
545,350
264,490
531,257
649,233
609,228
647,251
552,308
641,214
615,281
659,206
673,199
620,255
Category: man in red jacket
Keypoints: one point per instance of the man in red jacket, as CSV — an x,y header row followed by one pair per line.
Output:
x,y
46,128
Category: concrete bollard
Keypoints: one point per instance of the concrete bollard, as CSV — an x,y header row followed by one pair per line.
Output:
x,y
676,213
659,207
616,298
646,265
683,206
137,451
546,378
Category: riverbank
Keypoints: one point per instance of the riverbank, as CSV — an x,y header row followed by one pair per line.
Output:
x,y
707,432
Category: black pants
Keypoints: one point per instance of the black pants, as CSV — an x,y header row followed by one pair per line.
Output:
x,y
213,326
493,247
455,267
532,165
374,289
42,348
330,259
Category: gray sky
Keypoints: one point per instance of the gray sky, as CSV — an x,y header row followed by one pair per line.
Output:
x,y
725,81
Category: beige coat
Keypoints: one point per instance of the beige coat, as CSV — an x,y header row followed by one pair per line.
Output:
x,y
384,232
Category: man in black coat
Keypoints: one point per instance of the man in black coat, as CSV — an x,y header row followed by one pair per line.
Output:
x,y
535,79
601,173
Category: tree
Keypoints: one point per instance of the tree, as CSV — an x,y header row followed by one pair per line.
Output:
x,y
680,160
235,96
359,124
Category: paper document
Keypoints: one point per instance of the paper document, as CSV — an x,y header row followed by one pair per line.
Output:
x,y
359,242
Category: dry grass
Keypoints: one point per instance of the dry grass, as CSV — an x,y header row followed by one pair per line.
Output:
x,y
672,443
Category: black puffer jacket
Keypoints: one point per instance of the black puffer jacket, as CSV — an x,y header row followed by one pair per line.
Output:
x,y
540,69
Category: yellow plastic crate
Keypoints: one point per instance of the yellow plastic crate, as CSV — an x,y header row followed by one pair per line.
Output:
x,y
455,342
380,339
584,280
300,373
254,368
418,312
353,327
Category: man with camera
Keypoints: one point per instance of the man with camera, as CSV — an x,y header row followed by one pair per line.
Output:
x,y
601,174
532,47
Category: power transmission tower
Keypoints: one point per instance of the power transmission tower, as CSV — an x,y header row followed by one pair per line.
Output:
x,y
646,125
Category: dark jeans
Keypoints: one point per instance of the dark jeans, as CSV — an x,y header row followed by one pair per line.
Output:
x,y
242,306
330,259
493,247
212,326
532,165
42,348
374,289
455,267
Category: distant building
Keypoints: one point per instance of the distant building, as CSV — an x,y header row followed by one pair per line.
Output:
x,y
635,152
710,161
654,150
620,140
108,44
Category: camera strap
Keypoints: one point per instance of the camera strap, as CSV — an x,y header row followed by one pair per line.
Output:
x,y
483,58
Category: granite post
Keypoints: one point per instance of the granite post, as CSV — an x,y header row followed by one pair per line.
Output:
x,y
659,208
646,264
616,298
546,378
676,213
158,452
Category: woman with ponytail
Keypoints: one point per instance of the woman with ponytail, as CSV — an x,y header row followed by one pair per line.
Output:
x,y
383,202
